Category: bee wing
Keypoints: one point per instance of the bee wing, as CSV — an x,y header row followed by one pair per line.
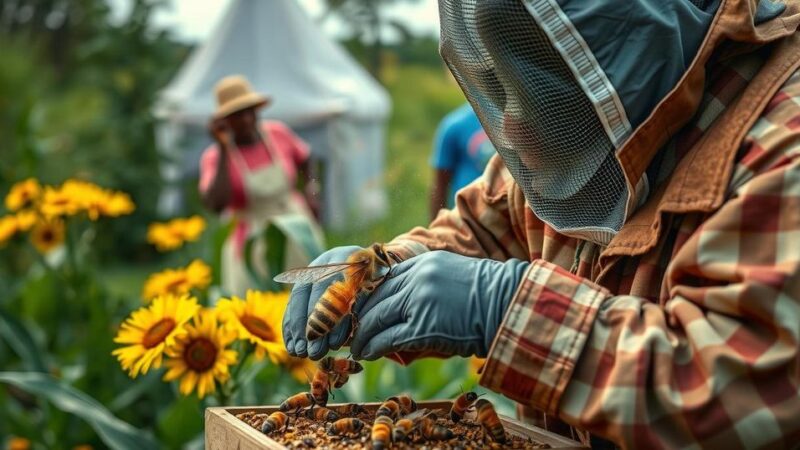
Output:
x,y
312,274
418,414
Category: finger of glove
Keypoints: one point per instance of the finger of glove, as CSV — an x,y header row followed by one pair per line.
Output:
x,y
387,289
383,343
320,347
295,317
339,334
384,315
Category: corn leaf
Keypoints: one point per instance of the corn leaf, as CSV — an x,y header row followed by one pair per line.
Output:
x,y
114,432
14,333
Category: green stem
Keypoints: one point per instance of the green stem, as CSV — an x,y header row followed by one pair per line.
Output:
x,y
50,269
71,250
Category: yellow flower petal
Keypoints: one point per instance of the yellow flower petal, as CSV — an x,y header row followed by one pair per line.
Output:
x,y
150,331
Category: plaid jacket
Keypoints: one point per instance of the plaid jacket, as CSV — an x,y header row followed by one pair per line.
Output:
x,y
683,332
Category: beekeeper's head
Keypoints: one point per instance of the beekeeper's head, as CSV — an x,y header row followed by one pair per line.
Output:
x,y
560,84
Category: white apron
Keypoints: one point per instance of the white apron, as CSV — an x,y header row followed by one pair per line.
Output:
x,y
267,195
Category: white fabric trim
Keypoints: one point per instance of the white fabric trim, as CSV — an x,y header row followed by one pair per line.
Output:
x,y
587,71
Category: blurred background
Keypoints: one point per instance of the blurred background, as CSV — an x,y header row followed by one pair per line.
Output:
x,y
118,92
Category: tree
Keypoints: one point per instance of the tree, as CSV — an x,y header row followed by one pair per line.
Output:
x,y
79,92
367,24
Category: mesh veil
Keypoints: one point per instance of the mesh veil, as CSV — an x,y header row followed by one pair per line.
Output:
x,y
552,136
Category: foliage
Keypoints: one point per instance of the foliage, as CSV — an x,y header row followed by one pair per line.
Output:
x,y
367,25
114,433
75,95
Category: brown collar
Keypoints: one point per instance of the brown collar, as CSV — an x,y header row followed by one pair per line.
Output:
x,y
700,179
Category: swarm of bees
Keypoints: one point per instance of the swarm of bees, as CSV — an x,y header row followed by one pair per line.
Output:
x,y
397,420
363,271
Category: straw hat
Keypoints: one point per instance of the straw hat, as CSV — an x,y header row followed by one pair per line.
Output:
x,y
234,93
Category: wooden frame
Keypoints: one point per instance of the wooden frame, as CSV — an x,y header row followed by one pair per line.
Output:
x,y
223,430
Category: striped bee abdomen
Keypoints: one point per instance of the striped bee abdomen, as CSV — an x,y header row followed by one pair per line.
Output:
x,y
330,309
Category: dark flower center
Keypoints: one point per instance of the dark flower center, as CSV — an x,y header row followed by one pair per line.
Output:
x,y
173,285
158,332
258,327
200,354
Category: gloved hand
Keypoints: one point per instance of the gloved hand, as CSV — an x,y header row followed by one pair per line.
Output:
x,y
438,302
302,301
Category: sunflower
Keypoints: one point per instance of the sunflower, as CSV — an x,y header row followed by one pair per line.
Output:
x,y
26,219
197,275
201,357
258,320
23,194
47,235
170,235
152,329
59,202
18,443
97,201
117,204
8,228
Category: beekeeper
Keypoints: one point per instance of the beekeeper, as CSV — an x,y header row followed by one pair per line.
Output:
x,y
254,172
631,260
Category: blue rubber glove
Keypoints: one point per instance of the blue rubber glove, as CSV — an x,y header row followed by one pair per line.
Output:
x,y
302,301
438,302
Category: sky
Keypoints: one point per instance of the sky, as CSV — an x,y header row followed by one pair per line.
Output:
x,y
193,20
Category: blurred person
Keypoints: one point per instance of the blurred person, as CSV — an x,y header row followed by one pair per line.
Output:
x,y
630,261
254,172
460,153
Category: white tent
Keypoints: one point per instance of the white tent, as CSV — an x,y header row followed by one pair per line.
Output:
x,y
319,91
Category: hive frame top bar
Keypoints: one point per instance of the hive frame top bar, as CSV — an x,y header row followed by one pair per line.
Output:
x,y
224,430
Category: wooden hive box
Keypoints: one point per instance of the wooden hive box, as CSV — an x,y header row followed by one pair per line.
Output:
x,y
223,430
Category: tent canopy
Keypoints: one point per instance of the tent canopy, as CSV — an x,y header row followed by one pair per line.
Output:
x,y
283,53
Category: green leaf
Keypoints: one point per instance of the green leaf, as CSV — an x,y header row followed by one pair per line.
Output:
x,y
217,242
279,233
297,229
18,338
181,422
114,432
141,386
276,241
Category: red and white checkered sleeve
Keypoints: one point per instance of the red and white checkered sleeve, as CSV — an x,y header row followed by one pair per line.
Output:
x,y
542,336
714,363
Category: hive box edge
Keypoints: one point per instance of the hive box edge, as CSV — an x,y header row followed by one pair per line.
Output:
x,y
223,430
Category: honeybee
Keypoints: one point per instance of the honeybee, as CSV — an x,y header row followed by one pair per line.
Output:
x,y
487,417
390,408
340,380
345,426
381,433
297,402
405,426
432,431
275,421
340,366
461,405
364,270
320,385
339,369
350,409
407,404
322,413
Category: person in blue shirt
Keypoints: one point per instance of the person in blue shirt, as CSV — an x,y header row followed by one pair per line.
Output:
x,y
460,154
